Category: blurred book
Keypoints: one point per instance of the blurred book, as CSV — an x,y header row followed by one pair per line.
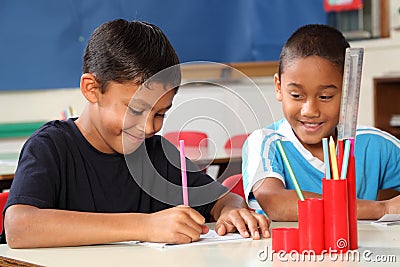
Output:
x,y
395,120
68,113
388,219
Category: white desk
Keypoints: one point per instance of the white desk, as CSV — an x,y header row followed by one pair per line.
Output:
x,y
9,152
229,161
380,240
8,164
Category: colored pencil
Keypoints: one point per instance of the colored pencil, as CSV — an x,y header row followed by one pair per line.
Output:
x,y
340,151
332,150
326,158
346,155
183,173
291,173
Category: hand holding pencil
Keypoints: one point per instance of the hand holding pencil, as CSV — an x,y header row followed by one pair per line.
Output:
x,y
230,213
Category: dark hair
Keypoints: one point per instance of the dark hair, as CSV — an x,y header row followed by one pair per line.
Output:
x,y
314,40
122,51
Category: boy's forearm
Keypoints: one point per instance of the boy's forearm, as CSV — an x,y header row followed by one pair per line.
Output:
x,y
370,210
282,206
52,228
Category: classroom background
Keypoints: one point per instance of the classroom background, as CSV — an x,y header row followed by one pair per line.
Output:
x,y
42,44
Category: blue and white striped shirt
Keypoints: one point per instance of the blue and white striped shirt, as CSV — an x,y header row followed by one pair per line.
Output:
x,y
377,156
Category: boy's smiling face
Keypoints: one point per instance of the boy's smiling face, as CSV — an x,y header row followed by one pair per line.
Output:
x,y
119,119
310,92
145,114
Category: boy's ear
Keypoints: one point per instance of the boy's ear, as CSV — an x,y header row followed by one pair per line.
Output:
x,y
90,88
278,92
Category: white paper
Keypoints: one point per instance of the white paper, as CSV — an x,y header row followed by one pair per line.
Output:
x,y
388,219
210,237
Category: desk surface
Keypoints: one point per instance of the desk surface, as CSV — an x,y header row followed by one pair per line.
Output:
x,y
206,156
374,242
8,164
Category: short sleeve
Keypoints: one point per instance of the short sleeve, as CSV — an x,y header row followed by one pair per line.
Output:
x,y
259,161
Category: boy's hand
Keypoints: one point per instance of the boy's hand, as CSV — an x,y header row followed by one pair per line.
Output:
x,y
247,223
392,206
178,225
232,214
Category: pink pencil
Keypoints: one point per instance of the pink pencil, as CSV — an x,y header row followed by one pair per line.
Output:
x,y
183,173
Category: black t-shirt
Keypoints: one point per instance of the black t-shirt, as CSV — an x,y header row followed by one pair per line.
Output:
x,y
59,169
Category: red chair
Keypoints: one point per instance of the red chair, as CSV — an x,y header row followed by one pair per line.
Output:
x,y
236,141
3,200
235,184
192,138
195,143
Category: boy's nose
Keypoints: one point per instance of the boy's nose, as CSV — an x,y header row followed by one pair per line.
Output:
x,y
310,109
149,126
146,127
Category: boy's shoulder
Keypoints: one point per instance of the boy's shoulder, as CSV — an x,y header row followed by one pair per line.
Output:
x,y
371,135
279,125
279,128
55,131
265,136
53,127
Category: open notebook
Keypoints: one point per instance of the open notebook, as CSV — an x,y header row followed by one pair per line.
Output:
x,y
388,219
210,237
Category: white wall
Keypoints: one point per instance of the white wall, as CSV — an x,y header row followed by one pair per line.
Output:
x,y
224,110
38,105
381,58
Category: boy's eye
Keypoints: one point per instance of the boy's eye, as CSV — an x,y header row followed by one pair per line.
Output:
x,y
135,112
295,95
160,115
326,97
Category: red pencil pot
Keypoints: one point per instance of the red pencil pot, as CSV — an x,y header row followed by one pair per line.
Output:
x,y
334,193
311,225
285,239
352,199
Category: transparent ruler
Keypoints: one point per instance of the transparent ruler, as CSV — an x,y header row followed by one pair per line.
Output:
x,y
350,93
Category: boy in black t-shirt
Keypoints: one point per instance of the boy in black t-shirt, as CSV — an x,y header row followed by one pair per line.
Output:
x,y
105,176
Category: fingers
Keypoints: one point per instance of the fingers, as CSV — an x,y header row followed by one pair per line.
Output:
x,y
178,225
233,221
263,223
220,228
191,224
204,229
188,234
247,218
194,214
245,222
191,232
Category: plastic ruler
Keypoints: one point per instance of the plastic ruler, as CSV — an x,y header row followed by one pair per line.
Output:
x,y
350,93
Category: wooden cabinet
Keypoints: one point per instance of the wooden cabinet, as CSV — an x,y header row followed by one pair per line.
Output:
x,y
387,103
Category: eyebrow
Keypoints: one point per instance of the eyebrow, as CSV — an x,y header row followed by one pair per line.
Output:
x,y
329,86
141,103
322,87
147,105
295,84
